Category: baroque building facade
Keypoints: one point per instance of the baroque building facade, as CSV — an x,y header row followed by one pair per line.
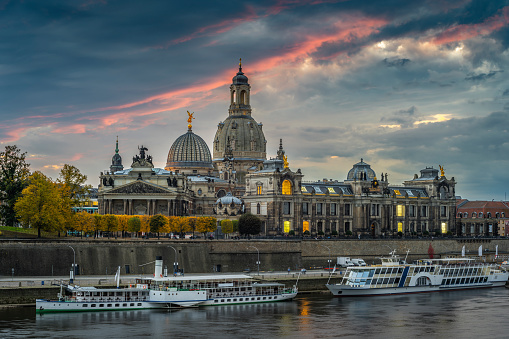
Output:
x,y
239,178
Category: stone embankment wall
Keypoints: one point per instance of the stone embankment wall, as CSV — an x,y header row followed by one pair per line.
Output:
x,y
102,257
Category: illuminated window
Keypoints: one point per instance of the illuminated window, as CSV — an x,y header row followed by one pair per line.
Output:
x,y
444,227
331,190
303,189
287,226
287,187
259,190
400,227
397,192
400,210
305,226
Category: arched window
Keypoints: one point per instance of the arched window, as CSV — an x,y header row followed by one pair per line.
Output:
x,y
488,215
259,190
480,214
497,215
287,187
465,215
258,208
503,214
474,214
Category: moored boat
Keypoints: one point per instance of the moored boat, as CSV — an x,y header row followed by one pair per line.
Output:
x,y
395,276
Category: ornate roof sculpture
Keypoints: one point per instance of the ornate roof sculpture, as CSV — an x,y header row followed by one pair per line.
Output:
x,y
142,160
189,153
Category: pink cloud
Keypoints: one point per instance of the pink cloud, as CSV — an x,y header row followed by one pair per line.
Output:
x,y
71,129
464,32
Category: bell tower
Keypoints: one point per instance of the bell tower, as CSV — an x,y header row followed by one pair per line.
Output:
x,y
239,94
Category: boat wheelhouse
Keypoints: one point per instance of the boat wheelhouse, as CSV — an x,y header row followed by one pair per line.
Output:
x,y
395,276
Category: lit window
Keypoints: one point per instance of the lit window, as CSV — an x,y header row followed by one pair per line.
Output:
x,y
287,226
303,189
400,227
305,226
287,187
400,210
397,192
331,190
444,227
259,190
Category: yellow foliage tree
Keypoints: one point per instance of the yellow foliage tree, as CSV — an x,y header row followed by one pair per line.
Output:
x,y
206,224
122,223
41,205
179,225
145,223
226,226
84,222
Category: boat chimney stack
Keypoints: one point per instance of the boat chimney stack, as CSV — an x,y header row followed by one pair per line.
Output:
x,y
158,273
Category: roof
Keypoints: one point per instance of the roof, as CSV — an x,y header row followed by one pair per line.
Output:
x,y
327,187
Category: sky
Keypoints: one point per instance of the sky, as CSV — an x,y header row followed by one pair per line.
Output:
x,y
404,85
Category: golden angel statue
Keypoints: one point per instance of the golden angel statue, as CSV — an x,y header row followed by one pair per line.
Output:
x,y
285,161
190,118
442,170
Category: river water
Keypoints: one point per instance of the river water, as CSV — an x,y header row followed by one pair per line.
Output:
x,y
459,314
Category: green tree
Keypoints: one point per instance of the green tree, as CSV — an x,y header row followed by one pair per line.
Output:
x,y
249,224
134,224
235,225
226,226
14,174
110,223
158,223
40,205
73,185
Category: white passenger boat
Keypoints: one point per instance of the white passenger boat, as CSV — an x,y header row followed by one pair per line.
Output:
x,y
395,276
168,292
225,289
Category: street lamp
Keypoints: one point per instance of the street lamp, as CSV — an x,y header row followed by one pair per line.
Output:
x,y
329,260
258,261
71,280
175,263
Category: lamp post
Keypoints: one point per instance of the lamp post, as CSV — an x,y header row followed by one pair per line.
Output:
x,y
71,280
328,260
175,263
258,261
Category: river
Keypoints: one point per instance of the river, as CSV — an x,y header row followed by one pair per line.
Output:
x,y
455,314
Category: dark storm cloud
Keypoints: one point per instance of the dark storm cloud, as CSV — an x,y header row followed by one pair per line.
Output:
x,y
395,62
482,76
404,118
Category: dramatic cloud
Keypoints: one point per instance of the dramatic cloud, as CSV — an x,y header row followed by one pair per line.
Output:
x,y
402,84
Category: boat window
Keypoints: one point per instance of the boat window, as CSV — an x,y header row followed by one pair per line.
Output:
x,y
85,305
109,305
101,305
139,304
93,305
131,304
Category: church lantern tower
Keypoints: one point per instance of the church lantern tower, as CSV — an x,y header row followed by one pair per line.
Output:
x,y
116,161
239,144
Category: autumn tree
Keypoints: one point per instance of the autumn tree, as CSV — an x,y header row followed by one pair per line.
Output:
x,y
84,222
179,225
226,226
134,224
14,174
41,205
73,185
122,223
158,223
192,224
98,224
249,224
110,223
145,223
206,224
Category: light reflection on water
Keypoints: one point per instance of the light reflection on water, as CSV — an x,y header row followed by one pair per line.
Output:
x,y
479,313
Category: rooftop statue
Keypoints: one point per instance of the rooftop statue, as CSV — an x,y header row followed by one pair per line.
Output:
x,y
442,170
189,119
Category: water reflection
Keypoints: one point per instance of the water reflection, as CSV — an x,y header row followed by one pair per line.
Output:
x,y
447,314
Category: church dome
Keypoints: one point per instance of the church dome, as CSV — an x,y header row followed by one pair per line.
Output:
x,y
189,151
240,78
361,171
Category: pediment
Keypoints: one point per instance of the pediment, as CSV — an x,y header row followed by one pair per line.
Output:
x,y
139,187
